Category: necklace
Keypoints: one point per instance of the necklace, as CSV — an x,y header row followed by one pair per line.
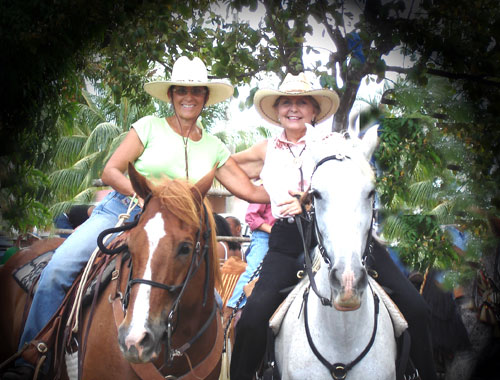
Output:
x,y
185,140
297,162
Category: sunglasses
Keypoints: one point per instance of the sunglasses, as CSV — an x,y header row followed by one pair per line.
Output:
x,y
195,91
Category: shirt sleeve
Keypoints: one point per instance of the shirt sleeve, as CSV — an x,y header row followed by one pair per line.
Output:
x,y
223,152
143,128
254,216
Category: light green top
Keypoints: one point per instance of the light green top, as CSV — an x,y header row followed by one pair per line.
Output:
x,y
164,151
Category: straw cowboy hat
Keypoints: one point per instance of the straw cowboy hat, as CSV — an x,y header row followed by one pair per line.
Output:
x,y
190,73
295,85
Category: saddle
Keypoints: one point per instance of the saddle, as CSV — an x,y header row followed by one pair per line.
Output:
x,y
27,276
57,334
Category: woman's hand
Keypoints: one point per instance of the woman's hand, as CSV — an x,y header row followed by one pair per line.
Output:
x,y
291,206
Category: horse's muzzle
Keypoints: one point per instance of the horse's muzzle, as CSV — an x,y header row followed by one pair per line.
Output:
x,y
140,345
348,288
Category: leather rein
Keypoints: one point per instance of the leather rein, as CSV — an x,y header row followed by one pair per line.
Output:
x,y
337,370
199,254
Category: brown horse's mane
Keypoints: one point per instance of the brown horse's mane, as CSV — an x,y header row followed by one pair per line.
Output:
x,y
177,197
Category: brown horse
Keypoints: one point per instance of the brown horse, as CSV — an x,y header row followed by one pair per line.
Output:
x,y
167,322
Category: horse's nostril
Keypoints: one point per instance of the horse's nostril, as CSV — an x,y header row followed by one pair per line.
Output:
x,y
147,340
334,278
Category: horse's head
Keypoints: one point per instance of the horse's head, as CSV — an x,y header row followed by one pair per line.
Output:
x,y
168,248
342,187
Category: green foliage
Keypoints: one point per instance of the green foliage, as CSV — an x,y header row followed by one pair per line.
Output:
x,y
16,196
411,190
96,131
432,175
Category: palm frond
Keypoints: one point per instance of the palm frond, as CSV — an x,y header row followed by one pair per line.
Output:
x,y
69,149
422,194
100,138
114,144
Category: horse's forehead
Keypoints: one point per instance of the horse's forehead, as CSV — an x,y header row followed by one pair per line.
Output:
x,y
155,227
343,175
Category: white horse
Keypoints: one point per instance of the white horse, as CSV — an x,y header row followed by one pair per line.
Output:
x,y
343,334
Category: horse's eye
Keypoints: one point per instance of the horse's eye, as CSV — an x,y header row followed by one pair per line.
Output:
x,y
184,249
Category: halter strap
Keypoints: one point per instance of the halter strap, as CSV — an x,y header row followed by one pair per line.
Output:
x,y
339,370
307,239
314,225
307,257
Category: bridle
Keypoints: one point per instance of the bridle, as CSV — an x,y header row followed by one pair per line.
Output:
x,y
200,253
312,225
337,370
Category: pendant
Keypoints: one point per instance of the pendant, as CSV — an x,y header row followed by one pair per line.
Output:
x,y
297,162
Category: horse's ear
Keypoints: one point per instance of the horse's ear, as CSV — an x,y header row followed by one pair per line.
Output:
x,y
353,124
370,142
200,189
306,199
139,183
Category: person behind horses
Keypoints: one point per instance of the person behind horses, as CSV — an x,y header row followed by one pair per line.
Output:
x,y
260,220
285,166
173,147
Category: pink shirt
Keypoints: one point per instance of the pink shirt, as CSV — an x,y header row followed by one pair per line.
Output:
x,y
258,214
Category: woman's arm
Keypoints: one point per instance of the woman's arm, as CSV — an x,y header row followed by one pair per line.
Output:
x,y
128,151
238,183
252,159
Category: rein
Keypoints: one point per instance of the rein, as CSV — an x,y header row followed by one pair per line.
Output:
x,y
339,370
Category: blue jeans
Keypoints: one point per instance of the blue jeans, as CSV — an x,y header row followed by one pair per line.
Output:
x,y
68,261
62,221
254,255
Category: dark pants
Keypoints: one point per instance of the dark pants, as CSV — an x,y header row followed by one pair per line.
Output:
x,y
411,304
279,270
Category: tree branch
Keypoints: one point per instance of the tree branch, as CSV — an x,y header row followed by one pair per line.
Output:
x,y
495,81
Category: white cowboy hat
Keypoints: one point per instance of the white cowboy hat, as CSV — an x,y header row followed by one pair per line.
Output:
x,y
190,73
295,85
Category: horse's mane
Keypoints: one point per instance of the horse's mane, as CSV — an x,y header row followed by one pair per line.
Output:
x,y
177,197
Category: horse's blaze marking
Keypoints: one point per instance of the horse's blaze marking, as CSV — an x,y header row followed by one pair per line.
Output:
x,y
155,230
347,280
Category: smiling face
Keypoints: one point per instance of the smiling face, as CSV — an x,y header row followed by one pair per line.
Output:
x,y
188,102
294,112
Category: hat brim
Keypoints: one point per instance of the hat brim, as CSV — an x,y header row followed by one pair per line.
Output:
x,y
218,91
264,100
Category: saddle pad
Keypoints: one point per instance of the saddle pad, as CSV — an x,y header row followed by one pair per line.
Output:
x,y
279,314
27,275
398,320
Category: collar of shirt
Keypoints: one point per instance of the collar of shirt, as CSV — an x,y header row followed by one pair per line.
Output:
x,y
282,142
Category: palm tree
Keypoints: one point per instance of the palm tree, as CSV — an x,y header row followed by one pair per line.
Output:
x,y
97,130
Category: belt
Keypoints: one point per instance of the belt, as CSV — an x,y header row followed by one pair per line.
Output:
x,y
289,220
